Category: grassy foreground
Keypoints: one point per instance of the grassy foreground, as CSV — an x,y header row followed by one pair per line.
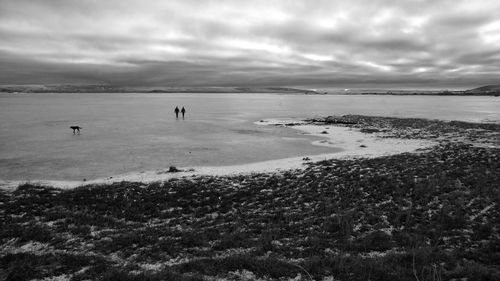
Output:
x,y
431,215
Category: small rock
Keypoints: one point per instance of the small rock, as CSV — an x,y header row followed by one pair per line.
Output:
x,y
173,169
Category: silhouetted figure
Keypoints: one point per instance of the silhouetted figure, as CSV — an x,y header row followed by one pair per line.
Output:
x,y
76,129
176,110
183,111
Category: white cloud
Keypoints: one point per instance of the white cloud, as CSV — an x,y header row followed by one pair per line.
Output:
x,y
252,45
376,65
490,33
316,57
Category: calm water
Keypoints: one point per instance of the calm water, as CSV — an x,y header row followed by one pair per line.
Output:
x,y
137,132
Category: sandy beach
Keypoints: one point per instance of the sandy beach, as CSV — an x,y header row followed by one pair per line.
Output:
x,y
352,142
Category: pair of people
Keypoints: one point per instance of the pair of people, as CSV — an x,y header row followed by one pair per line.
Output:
x,y
176,110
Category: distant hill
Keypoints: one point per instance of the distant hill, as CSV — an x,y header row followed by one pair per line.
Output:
x,y
125,89
491,89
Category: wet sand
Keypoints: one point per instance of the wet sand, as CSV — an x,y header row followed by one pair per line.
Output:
x,y
345,142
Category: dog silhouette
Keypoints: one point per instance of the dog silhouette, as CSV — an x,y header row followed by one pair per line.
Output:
x,y
76,129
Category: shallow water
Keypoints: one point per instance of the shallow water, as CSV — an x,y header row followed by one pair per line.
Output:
x,y
138,132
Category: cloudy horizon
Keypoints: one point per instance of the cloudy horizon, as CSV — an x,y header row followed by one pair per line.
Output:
x,y
325,44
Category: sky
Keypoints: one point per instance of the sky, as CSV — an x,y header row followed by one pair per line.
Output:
x,y
308,43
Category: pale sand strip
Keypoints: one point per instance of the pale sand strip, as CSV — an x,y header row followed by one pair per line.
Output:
x,y
350,140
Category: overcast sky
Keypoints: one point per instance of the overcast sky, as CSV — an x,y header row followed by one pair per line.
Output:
x,y
314,44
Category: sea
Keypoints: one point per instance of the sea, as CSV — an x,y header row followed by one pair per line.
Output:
x,y
134,132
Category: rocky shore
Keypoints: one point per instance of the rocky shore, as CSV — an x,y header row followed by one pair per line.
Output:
x,y
428,215
477,134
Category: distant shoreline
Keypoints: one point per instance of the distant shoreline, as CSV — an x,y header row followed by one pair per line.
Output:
x,y
482,91
114,89
453,93
458,94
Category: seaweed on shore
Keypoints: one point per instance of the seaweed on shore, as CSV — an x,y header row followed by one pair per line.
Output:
x,y
420,128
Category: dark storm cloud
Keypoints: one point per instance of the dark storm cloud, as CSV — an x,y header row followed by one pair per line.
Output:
x,y
236,43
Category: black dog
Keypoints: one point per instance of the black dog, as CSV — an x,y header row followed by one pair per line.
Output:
x,y
76,128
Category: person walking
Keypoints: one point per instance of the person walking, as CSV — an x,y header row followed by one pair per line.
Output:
x,y
183,111
176,110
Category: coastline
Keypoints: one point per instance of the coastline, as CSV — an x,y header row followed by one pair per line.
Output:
x,y
434,212
352,142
